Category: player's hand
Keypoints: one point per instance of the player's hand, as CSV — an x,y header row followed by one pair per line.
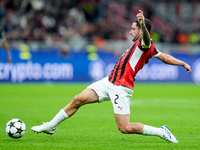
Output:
x,y
140,18
187,67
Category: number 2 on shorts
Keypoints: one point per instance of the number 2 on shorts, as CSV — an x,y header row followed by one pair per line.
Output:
x,y
117,96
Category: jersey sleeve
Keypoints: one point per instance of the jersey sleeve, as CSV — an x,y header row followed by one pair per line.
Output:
x,y
156,52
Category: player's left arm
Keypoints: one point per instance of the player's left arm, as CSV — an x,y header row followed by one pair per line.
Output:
x,y
6,47
146,40
168,59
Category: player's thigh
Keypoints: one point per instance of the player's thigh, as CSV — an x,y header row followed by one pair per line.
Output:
x,y
89,96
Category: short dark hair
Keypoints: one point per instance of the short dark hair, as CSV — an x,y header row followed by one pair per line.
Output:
x,y
147,23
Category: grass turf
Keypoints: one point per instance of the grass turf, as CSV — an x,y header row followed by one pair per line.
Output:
x,y
93,126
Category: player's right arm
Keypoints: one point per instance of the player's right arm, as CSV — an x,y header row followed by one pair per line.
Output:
x,y
146,40
168,59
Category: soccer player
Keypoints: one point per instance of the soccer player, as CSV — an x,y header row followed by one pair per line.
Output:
x,y
5,44
118,86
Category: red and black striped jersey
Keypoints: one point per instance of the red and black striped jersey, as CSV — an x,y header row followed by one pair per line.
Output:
x,y
131,62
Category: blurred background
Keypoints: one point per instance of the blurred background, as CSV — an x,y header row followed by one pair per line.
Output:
x,y
80,40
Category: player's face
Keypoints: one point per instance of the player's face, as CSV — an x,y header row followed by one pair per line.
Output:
x,y
135,31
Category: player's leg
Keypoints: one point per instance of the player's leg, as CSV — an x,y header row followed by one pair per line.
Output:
x,y
126,127
94,93
86,97
120,97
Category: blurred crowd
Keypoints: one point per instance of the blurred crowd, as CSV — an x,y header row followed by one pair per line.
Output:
x,y
38,20
74,21
78,21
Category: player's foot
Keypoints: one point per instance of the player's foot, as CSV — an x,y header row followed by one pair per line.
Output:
x,y
168,136
45,128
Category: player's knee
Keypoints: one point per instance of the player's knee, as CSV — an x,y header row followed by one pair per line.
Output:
x,y
78,100
129,129
124,129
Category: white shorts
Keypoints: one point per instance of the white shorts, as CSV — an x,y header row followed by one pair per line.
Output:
x,y
119,95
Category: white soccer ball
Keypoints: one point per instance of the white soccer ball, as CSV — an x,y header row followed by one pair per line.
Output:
x,y
15,128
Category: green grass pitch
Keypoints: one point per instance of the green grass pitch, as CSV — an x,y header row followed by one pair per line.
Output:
x,y
93,126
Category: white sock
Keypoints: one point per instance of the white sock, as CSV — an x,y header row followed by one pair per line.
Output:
x,y
149,130
61,116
